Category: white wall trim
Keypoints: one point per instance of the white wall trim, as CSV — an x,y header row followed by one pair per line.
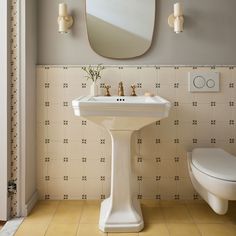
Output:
x,y
26,194
21,75
30,204
125,65
4,109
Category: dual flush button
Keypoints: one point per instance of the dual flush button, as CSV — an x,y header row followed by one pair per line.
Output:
x,y
200,82
203,82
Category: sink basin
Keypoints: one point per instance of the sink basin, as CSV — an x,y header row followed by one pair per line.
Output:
x,y
121,116
122,113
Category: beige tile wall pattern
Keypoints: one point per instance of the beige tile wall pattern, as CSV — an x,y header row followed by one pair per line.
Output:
x,y
74,155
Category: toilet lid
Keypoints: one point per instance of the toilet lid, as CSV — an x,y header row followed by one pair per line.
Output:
x,y
215,162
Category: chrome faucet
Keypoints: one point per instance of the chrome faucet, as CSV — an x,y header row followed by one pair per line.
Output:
x,y
121,89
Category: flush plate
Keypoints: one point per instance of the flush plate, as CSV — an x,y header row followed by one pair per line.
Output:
x,y
203,81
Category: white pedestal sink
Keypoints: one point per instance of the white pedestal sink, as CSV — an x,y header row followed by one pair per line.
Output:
x,y
121,116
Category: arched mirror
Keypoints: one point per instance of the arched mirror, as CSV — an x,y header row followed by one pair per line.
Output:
x,y
120,28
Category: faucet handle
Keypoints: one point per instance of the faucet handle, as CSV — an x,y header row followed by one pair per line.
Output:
x,y
120,84
133,87
107,87
121,89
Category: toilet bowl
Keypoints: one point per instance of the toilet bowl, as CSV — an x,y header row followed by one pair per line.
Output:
x,y
213,175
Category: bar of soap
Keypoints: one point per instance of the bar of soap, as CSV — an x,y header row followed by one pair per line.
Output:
x,y
147,94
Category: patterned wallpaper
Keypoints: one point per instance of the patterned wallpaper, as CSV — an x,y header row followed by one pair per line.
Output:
x,y
14,104
74,155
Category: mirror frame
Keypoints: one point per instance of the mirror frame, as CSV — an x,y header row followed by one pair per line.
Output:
x,y
122,58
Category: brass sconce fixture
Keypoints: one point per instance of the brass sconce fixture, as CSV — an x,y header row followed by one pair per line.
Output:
x,y
64,20
176,20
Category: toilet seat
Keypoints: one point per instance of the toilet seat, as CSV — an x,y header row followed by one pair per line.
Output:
x,y
215,162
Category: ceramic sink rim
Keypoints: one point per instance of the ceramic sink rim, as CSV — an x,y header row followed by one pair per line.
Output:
x,y
140,106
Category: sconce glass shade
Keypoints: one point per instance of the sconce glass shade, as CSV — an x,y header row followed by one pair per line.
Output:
x,y
178,24
62,9
178,9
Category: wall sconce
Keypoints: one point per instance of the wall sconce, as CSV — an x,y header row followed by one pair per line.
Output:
x,y
64,20
176,20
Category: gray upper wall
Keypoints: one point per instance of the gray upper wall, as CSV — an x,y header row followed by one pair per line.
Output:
x,y
209,37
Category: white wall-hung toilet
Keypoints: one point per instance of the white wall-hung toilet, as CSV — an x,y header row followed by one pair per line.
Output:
x,y
213,175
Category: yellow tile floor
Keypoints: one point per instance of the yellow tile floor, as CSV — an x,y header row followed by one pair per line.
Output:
x,y
162,218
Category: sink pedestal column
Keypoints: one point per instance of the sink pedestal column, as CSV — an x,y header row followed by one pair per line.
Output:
x,y
121,212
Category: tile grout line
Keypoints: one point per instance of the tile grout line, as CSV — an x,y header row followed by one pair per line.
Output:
x,y
50,221
82,210
165,221
192,218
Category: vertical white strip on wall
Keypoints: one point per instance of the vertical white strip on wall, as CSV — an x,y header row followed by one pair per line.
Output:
x,y
4,109
26,191
22,75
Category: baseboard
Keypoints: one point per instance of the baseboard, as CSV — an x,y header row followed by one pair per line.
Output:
x,y
30,204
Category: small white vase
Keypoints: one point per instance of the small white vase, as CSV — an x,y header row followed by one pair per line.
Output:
x,y
94,89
